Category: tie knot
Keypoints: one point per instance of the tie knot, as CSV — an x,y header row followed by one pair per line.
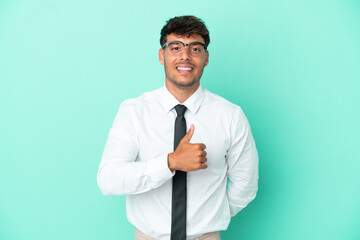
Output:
x,y
180,109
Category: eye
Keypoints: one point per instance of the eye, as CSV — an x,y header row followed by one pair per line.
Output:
x,y
174,47
196,48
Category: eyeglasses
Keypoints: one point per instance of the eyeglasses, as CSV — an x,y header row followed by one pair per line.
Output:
x,y
177,47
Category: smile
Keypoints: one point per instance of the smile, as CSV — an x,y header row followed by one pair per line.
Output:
x,y
184,68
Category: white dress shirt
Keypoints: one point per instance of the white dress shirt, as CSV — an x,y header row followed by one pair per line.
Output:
x,y
134,162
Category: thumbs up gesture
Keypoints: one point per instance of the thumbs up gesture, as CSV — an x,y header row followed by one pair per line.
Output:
x,y
188,156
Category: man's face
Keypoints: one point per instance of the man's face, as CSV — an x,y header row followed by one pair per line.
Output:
x,y
183,71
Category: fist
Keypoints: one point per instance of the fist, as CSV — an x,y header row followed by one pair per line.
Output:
x,y
188,156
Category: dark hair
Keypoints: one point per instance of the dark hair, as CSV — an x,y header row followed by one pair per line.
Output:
x,y
185,26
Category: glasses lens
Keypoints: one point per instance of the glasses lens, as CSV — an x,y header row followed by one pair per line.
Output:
x,y
175,48
196,49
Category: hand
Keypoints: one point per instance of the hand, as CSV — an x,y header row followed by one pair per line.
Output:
x,y
188,156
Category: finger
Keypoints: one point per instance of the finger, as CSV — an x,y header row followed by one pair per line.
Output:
x,y
203,160
203,154
189,134
202,146
203,166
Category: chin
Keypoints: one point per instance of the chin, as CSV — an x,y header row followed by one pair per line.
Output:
x,y
184,84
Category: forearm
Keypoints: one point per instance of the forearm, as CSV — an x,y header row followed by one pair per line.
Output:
x,y
240,196
117,177
243,179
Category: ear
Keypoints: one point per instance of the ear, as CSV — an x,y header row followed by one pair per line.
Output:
x,y
161,56
206,58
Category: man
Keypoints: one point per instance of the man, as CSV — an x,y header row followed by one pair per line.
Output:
x,y
172,150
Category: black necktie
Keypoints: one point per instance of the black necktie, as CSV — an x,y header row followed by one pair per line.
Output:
x,y
178,213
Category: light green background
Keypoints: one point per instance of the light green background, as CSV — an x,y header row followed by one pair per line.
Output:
x,y
66,65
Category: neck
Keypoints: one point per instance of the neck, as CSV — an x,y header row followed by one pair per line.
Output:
x,y
181,94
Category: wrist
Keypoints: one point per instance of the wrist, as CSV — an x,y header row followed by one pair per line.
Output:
x,y
171,164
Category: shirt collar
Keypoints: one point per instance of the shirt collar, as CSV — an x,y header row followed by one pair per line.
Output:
x,y
192,103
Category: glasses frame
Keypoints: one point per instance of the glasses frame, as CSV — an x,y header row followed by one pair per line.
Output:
x,y
184,44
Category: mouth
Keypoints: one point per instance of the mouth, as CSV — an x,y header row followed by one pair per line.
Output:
x,y
184,70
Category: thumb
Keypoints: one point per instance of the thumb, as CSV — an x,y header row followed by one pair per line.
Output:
x,y
189,134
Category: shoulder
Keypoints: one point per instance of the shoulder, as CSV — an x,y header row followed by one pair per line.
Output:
x,y
222,105
132,110
142,101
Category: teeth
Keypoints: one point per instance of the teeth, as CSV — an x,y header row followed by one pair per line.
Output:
x,y
184,68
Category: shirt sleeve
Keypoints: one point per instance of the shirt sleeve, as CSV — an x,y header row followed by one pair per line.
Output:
x,y
242,163
119,173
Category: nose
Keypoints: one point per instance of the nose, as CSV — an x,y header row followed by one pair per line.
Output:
x,y
185,54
